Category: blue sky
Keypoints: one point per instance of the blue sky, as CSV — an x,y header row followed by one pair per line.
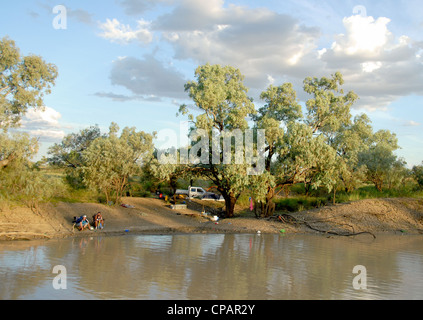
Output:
x,y
127,60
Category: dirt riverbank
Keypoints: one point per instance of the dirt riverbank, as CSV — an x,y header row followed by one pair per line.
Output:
x,y
154,216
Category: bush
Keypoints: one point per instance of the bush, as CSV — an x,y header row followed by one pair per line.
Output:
x,y
418,175
371,192
30,186
299,203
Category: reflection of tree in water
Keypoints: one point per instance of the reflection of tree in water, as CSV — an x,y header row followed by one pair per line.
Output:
x,y
239,267
209,266
19,273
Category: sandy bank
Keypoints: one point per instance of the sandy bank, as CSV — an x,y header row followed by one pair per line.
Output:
x,y
153,216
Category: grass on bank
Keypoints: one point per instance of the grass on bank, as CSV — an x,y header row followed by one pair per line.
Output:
x,y
299,201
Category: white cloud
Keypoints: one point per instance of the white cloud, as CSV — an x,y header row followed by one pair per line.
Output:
x,y
377,64
48,135
412,123
43,124
371,66
49,117
270,79
258,41
365,36
117,32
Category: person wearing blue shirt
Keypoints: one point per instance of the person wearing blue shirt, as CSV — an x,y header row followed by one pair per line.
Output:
x,y
82,223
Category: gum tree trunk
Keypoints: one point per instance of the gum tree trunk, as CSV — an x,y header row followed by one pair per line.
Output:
x,y
230,202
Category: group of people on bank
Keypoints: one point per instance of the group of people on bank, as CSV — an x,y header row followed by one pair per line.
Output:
x,y
82,223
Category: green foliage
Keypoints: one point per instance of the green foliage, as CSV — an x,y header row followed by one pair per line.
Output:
x,y
380,159
68,154
72,195
323,151
16,148
349,141
304,157
281,104
314,149
27,185
281,108
299,203
24,81
417,173
329,109
110,161
371,192
222,98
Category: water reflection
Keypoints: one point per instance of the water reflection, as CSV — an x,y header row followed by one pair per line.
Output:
x,y
240,267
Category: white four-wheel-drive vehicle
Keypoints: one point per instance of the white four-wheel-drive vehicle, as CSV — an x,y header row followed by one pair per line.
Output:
x,y
192,192
198,192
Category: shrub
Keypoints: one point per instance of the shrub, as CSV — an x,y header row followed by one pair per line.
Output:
x,y
417,172
299,203
30,186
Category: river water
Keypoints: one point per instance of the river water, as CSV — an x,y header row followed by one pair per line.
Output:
x,y
209,267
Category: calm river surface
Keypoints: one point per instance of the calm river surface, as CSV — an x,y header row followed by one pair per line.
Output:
x,y
206,267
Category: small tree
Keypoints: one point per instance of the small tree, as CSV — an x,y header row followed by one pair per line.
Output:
x,y
22,182
16,147
110,161
417,172
349,141
33,187
68,154
379,158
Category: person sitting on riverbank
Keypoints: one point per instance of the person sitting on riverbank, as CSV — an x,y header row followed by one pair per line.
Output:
x,y
98,221
82,223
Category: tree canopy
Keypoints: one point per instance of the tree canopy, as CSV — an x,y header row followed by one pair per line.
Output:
x,y
24,81
110,160
222,98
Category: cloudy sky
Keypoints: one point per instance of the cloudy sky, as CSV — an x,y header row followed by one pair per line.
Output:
x,y
127,60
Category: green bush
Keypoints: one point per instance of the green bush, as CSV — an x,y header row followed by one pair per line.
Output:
x,y
28,186
299,203
418,175
371,192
